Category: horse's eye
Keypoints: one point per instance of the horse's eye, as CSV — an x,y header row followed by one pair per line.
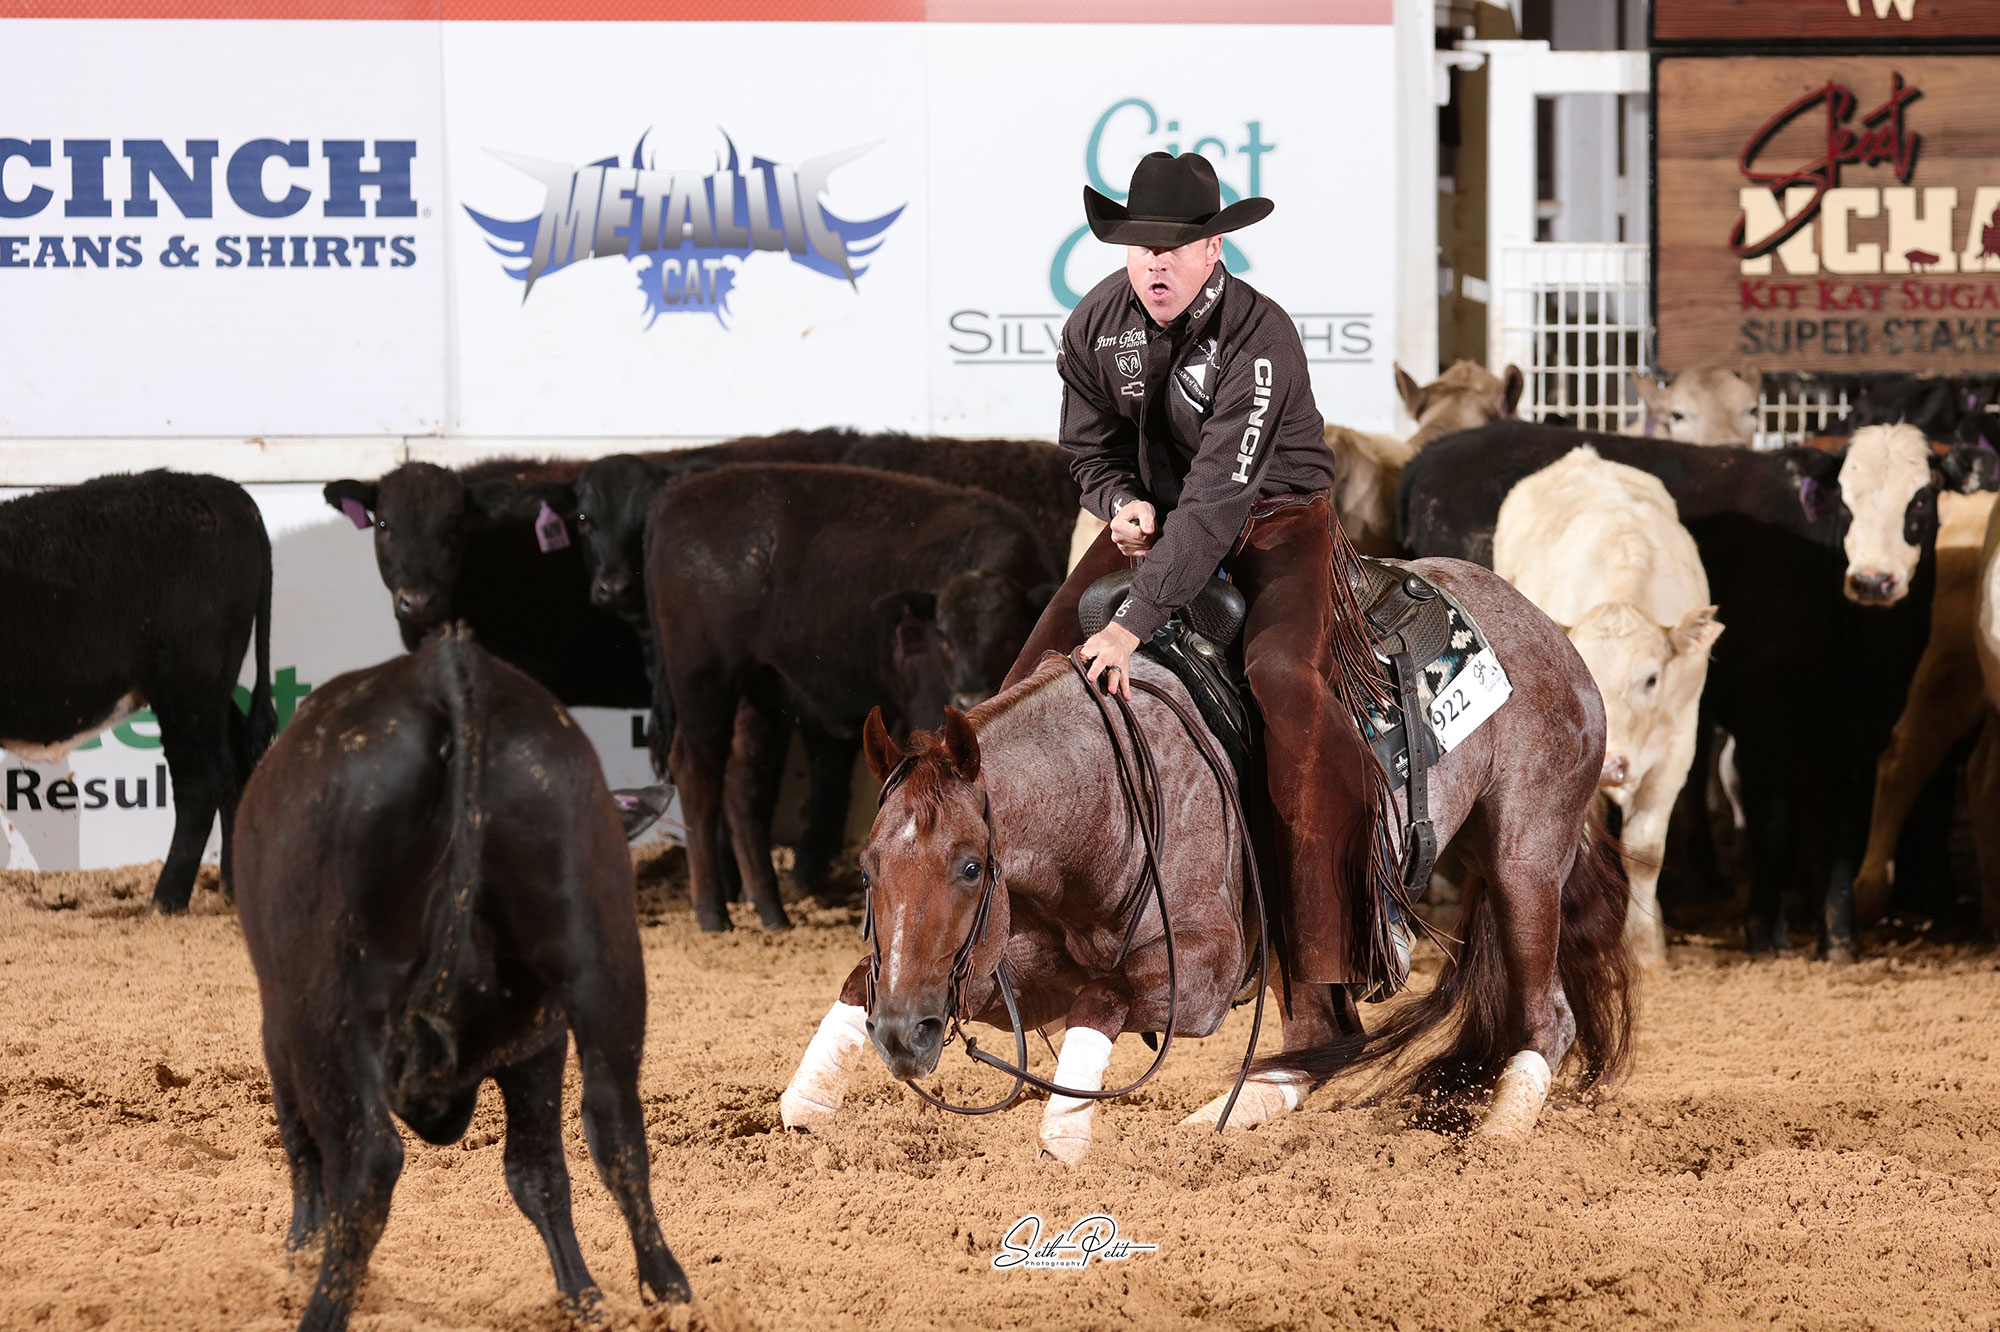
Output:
x,y
1680,416
970,872
1652,679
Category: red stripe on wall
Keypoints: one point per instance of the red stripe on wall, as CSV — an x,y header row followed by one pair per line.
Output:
x,y
1343,12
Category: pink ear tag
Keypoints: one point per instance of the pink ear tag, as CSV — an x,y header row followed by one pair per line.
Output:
x,y
550,534
356,514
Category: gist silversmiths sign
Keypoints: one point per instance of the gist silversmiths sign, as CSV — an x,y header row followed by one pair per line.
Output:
x,y
1832,213
1718,21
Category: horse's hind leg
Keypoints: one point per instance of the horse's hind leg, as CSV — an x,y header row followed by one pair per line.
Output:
x,y
537,1175
1527,909
1323,1034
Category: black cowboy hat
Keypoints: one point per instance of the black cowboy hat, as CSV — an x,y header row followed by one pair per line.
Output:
x,y
1174,200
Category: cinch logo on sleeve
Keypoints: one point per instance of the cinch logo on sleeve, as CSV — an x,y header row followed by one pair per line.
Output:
x,y
1246,452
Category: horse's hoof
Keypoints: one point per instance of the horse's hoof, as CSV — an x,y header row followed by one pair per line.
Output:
x,y
1517,1098
1839,954
798,1112
1260,1103
1066,1149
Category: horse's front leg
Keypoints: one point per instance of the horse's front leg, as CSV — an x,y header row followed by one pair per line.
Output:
x,y
816,1090
1094,1021
1322,1034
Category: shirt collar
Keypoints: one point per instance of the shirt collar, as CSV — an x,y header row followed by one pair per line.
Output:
x,y
1198,310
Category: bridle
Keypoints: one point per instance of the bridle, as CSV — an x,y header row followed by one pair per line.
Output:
x,y
1138,778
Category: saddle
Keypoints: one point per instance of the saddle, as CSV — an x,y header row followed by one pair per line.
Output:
x,y
1408,620
1193,644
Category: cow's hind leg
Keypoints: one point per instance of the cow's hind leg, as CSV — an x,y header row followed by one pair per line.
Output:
x,y
301,1152
195,736
830,780
537,1175
750,794
699,759
361,1156
610,1030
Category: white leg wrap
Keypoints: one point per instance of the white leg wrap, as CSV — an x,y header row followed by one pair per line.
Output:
x,y
1065,1132
821,1082
1517,1097
1263,1100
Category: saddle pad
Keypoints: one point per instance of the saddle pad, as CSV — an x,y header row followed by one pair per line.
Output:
x,y
1458,690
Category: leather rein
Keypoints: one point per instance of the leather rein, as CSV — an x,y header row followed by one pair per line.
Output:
x,y
1138,778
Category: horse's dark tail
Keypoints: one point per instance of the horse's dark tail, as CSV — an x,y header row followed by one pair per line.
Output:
x,y
431,1021
1468,1022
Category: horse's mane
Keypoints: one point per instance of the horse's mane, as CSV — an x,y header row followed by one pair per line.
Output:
x,y
931,776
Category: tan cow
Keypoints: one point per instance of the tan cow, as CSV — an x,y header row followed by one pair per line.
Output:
x,y
1599,546
1945,699
1707,404
1369,465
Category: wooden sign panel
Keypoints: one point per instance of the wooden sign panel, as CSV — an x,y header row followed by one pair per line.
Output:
x,y
1906,21
1834,213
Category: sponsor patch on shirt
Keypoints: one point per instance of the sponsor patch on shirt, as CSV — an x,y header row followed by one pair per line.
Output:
x,y
1129,364
1197,378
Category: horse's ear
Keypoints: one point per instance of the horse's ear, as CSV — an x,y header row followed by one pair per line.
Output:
x,y
1409,391
883,754
962,743
1511,385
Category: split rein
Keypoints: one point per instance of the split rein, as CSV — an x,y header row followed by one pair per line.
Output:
x,y
1138,778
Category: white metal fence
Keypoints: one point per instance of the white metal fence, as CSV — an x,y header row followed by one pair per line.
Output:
x,y
1573,316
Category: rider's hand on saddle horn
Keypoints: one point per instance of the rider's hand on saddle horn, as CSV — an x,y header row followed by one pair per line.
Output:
x,y
1133,528
1109,651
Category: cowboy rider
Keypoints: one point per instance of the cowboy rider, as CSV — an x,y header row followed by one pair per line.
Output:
x,y
1188,412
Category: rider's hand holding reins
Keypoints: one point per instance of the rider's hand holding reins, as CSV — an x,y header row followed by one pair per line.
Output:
x,y
1134,528
1110,650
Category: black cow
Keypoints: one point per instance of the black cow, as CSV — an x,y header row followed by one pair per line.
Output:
x,y
141,591
764,582
451,545
435,890
1814,669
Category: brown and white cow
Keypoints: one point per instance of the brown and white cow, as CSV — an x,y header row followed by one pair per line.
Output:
x,y
1707,404
1599,547
1368,466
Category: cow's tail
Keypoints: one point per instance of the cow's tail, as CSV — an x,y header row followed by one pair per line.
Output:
x,y
263,710
460,679
1464,1030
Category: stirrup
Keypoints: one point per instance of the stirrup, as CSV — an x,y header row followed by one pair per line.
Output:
x,y
1389,986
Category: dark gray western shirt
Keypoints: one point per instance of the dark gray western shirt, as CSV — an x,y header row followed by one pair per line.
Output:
x,y
1202,418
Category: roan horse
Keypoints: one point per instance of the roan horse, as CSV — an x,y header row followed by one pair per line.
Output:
x,y
1008,834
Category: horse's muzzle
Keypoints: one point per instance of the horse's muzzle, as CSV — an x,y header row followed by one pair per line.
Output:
x,y
909,1045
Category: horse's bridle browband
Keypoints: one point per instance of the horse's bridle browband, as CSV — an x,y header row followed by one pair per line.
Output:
x,y
1138,778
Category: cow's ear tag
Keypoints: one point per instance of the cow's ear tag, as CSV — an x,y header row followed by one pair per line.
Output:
x,y
550,534
356,514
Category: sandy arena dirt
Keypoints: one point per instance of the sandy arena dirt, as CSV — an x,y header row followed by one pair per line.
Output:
x,y
1801,1146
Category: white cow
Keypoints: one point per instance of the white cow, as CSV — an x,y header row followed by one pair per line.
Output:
x,y
1599,546
1369,466
1708,404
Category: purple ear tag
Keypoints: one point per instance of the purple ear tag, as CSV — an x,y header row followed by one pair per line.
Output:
x,y
356,514
550,534
1809,498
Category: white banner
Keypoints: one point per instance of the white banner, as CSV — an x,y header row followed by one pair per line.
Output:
x,y
212,228
563,230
